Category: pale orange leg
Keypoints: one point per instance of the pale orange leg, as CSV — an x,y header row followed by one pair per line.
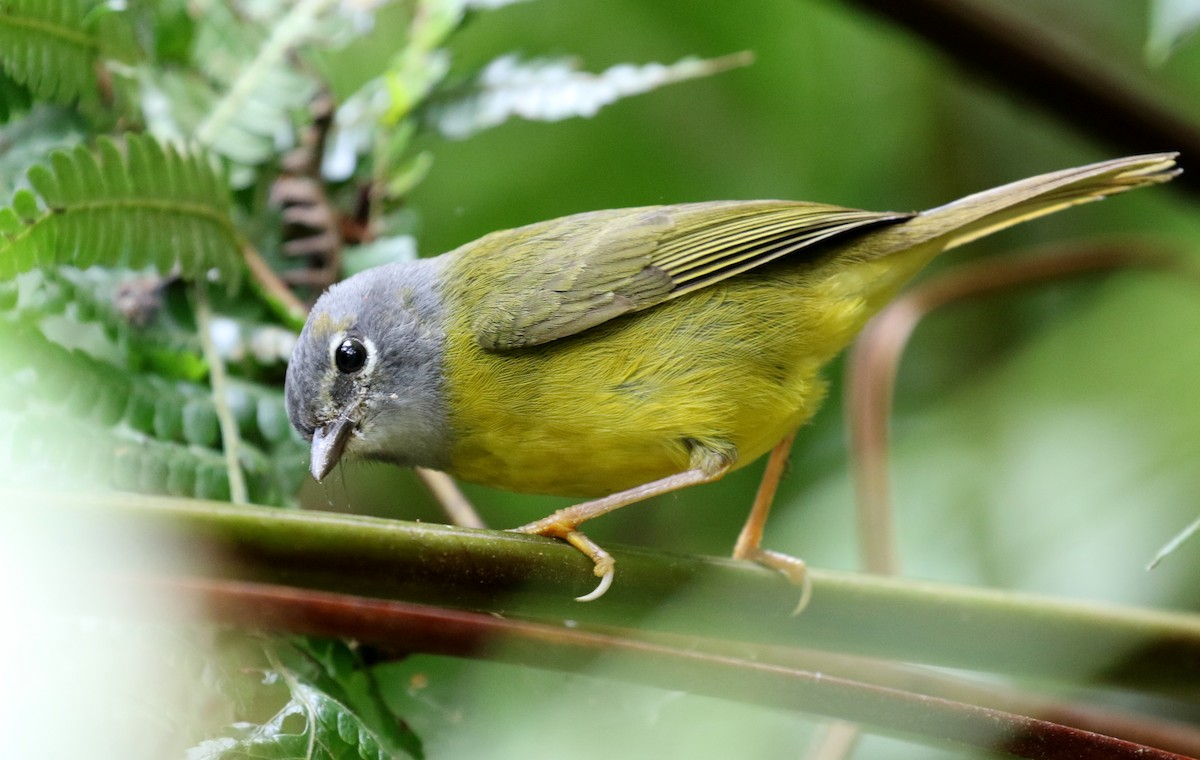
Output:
x,y
564,523
749,542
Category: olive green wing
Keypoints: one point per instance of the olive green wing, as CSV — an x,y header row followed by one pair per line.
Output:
x,y
558,278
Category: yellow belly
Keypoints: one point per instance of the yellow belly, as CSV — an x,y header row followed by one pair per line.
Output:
x,y
616,406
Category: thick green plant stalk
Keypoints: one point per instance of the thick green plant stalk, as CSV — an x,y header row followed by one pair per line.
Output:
x,y
333,575
518,575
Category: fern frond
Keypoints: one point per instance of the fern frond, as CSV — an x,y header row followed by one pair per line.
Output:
x,y
135,431
144,205
31,138
168,410
47,46
44,446
261,91
140,313
130,308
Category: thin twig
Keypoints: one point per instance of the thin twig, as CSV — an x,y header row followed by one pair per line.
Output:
x,y
273,289
837,740
231,442
446,492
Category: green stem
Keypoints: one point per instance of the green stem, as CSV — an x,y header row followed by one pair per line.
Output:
x,y
519,575
231,442
273,290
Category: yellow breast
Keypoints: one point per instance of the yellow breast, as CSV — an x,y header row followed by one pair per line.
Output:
x,y
616,405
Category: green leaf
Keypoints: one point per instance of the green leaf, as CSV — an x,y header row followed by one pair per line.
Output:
x,y
200,424
132,207
25,206
384,250
29,140
10,223
46,184
160,436
250,89
337,669
330,732
51,47
409,175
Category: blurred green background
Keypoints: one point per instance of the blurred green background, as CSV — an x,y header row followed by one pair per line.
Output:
x,y
1045,441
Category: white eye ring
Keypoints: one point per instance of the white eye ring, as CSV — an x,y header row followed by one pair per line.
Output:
x,y
352,355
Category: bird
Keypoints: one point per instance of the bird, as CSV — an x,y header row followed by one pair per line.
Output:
x,y
620,354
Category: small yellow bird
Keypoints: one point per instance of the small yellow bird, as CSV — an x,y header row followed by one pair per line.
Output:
x,y
626,353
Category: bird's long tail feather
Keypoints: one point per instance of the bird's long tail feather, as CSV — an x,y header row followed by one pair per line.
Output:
x,y
992,210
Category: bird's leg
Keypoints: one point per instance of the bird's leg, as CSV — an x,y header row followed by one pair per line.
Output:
x,y
564,524
749,542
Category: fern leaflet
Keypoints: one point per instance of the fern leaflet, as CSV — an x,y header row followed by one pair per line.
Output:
x,y
47,46
144,205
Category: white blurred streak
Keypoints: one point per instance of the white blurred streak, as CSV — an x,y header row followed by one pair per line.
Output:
x,y
84,672
553,90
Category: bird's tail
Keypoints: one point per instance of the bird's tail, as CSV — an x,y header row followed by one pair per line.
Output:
x,y
899,251
992,210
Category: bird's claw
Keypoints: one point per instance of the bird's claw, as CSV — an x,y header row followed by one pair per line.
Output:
x,y
605,565
606,579
792,568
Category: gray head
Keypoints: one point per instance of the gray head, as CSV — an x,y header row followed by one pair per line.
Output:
x,y
365,377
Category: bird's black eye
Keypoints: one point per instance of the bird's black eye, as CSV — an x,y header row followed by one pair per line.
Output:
x,y
350,356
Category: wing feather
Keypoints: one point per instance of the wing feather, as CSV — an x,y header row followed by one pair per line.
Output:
x,y
564,276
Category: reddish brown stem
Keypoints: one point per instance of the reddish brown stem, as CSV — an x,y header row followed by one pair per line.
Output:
x,y
402,627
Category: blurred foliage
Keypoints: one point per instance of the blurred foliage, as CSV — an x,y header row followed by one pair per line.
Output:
x,y
1171,22
1043,441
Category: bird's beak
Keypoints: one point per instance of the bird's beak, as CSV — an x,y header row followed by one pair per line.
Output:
x,y
328,443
